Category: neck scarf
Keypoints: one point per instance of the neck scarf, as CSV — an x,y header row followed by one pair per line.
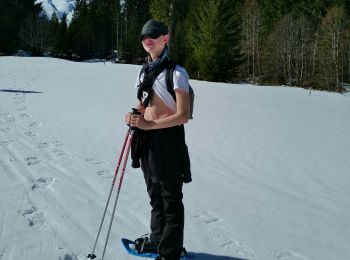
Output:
x,y
151,72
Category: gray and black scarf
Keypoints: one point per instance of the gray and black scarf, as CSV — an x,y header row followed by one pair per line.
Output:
x,y
151,72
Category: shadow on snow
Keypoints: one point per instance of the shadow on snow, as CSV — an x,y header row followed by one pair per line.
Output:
x,y
19,91
204,256
191,255
69,257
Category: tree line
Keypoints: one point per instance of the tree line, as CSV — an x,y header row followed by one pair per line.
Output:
x,y
278,42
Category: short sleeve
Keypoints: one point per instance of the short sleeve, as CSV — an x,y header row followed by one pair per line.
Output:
x,y
181,79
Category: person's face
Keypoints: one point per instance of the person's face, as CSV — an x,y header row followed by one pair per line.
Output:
x,y
155,46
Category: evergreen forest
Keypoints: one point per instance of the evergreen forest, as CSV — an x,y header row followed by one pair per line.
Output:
x,y
303,43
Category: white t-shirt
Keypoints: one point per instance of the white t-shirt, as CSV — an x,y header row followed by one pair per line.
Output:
x,y
180,79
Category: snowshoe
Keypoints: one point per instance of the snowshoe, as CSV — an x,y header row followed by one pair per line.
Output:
x,y
145,245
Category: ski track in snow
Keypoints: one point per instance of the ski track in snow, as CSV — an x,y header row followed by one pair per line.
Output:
x,y
36,173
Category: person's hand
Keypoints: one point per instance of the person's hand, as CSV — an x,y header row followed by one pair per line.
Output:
x,y
127,118
139,122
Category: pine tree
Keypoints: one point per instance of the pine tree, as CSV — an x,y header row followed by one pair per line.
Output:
x,y
173,13
346,4
272,12
62,36
215,40
160,10
115,24
179,43
7,9
79,33
105,17
12,15
135,14
54,25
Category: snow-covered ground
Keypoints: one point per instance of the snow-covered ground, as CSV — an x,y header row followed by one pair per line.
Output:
x,y
270,166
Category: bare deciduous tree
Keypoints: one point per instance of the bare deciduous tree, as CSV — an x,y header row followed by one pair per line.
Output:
x,y
346,44
35,33
251,27
331,53
290,50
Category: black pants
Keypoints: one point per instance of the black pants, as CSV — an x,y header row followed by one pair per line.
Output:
x,y
160,165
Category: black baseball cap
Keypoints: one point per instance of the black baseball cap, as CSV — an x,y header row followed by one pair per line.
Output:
x,y
154,29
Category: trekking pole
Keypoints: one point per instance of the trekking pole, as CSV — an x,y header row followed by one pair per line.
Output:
x,y
118,192
92,255
131,130
128,139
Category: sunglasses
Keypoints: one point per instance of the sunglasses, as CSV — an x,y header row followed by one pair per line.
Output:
x,y
154,35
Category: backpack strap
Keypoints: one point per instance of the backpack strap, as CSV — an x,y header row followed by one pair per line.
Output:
x,y
170,68
171,65
145,87
142,71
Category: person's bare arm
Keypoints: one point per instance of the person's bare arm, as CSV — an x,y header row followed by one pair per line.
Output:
x,y
179,117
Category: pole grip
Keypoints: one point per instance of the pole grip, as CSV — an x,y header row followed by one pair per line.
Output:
x,y
135,111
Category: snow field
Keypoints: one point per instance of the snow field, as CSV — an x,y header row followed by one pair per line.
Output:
x,y
270,166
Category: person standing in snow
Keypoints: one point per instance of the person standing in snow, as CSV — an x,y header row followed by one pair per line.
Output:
x,y
159,143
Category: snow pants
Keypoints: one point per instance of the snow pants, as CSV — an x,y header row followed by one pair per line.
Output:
x,y
160,162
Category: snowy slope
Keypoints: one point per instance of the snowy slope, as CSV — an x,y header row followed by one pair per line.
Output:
x,y
270,166
60,7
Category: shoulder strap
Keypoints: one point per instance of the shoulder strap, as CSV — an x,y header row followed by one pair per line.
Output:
x,y
142,70
169,78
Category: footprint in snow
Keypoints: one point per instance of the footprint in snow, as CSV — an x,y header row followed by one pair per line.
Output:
x,y
7,142
94,161
43,145
238,248
32,124
72,257
32,160
24,115
290,255
224,240
42,182
208,217
19,100
104,174
29,133
4,129
34,217
59,152
10,119
57,143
